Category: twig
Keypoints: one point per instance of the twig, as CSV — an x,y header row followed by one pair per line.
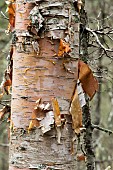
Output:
x,y
6,100
98,41
102,129
2,104
4,16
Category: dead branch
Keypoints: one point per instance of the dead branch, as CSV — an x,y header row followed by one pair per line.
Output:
x,y
98,41
102,129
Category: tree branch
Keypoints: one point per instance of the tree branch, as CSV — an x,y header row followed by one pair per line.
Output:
x,y
98,41
102,129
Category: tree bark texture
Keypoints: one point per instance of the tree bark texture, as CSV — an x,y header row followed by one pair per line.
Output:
x,y
43,74
88,141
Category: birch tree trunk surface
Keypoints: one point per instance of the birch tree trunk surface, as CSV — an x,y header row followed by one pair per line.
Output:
x,y
43,75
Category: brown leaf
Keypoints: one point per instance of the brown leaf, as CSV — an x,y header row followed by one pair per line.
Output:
x,y
76,112
88,81
56,111
63,48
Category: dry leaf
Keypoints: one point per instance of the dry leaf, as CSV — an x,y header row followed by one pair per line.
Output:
x,y
88,81
56,111
76,112
63,48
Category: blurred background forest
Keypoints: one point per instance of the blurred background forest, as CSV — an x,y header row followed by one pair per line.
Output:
x,y
100,19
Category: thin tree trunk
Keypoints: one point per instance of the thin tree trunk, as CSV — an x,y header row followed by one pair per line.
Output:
x,y
44,76
88,143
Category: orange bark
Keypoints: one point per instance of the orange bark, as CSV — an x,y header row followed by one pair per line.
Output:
x,y
43,76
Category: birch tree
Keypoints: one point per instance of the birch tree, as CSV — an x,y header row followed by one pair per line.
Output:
x,y
50,85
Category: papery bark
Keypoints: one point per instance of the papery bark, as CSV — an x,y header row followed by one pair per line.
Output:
x,y
43,75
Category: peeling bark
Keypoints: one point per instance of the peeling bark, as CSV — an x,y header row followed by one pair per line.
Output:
x,y
39,73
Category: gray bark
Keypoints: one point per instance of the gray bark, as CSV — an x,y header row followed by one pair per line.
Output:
x,y
88,142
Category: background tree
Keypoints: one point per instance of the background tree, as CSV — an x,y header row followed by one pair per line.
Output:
x,y
101,23
4,49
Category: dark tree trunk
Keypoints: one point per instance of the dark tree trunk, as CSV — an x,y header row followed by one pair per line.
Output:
x,y
88,143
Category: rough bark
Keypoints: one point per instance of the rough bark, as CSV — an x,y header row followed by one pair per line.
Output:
x,y
88,143
43,75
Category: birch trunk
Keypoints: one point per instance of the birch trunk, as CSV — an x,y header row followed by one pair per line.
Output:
x,y
43,75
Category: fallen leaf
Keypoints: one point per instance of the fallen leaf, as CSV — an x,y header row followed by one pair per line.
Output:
x,y
63,48
88,81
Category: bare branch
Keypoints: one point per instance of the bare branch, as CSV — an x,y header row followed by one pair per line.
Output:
x,y
98,41
102,129
4,16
